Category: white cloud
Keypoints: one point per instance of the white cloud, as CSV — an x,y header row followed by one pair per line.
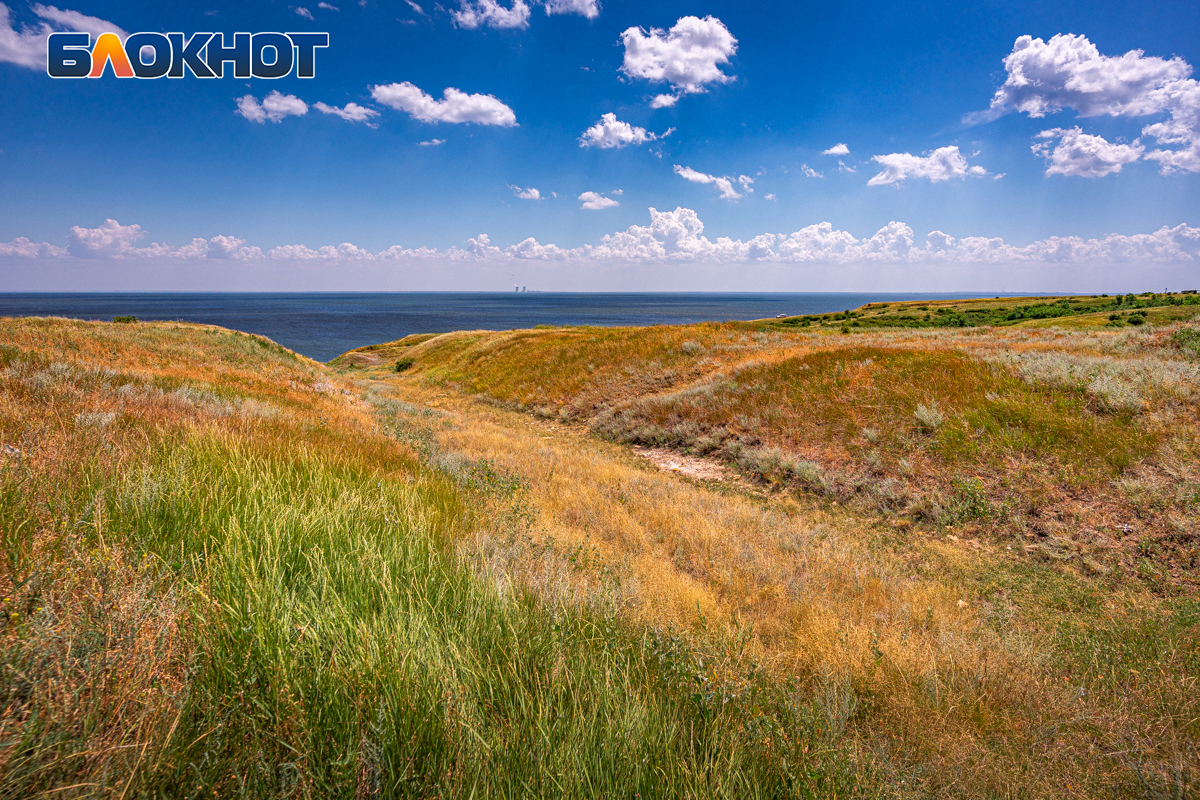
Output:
x,y
415,7
432,143
351,112
110,240
940,165
455,106
687,56
526,194
839,149
488,13
596,202
671,236
769,197
21,247
587,8
725,184
610,132
327,7
303,12
1083,155
809,172
27,47
843,168
664,101
274,107
1070,72
232,247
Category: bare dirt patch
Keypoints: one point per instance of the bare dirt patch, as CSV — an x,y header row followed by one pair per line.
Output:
x,y
699,468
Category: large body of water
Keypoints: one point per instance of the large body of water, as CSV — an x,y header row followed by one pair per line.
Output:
x,y
325,325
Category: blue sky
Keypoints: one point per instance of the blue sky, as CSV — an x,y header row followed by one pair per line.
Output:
x,y
889,81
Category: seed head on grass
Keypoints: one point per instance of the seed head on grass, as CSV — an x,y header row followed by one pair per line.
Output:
x,y
929,418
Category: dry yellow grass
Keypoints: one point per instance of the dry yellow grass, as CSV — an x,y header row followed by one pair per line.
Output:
x,y
942,662
948,678
1037,431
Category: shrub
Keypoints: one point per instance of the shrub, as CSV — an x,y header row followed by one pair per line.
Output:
x,y
692,348
1187,339
404,364
125,319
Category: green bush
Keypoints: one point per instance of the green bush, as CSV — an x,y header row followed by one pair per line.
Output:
x,y
404,364
1187,339
125,319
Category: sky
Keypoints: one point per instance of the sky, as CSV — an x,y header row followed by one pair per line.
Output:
x,y
604,145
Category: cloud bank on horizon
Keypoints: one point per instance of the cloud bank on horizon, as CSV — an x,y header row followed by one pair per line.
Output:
x,y
671,236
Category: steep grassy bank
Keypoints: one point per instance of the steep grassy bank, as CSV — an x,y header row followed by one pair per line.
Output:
x,y
245,586
1082,443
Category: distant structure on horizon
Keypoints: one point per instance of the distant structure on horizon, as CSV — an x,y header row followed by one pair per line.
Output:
x,y
519,289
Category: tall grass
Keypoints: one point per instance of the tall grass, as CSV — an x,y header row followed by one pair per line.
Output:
x,y
222,605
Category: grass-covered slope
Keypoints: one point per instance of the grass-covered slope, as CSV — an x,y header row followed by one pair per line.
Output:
x,y
1087,311
231,571
225,577
1086,442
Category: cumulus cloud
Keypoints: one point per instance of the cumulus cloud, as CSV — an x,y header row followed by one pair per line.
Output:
x,y
768,197
1069,72
526,194
327,7
455,106
610,132
663,101
474,14
1083,155
809,172
593,201
21,247
671,236
432,143
940,165
231,248
303,12
351,112
839,149
274,107
112,239
27,47
688,56
587,8
725,184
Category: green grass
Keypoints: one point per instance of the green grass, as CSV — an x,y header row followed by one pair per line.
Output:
x,y
1089,310
337,647
829,398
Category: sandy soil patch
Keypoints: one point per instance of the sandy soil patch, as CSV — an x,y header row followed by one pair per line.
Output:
x,y
669,461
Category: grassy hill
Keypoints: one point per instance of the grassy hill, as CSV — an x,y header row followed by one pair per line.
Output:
x,y
1060,434
945,562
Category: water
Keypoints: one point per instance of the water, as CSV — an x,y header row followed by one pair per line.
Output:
x,y
325,325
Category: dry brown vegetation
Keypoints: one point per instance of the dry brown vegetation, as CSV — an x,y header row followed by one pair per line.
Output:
x,y
1085,444
948,564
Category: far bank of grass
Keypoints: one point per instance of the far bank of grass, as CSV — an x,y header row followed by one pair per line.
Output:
x,y
1082,442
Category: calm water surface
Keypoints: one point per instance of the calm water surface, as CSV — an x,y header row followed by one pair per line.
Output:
x,y
325,325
